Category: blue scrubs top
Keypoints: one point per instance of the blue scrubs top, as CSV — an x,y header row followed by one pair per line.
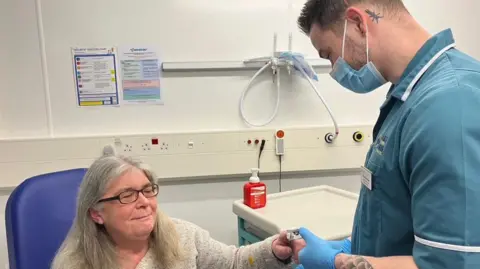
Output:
x,y
425,164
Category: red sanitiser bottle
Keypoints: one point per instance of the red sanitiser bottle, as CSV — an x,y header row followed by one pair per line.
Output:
x,y
254,191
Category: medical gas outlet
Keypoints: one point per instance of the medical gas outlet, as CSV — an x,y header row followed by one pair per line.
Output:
x,y
358,136
329,138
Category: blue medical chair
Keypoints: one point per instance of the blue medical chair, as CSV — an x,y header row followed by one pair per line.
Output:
x,y
38,216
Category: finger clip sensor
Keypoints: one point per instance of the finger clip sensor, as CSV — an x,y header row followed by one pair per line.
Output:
x,y
293,234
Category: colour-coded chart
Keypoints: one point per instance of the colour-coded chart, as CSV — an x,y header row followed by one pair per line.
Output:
x,y
140,76
95,76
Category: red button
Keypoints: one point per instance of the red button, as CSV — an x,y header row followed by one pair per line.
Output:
x,y
154,141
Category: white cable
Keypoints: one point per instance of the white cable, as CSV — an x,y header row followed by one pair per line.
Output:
x,y
335,134
277,73
244,93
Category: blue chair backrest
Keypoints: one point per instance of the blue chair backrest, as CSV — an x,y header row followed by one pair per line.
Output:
x,y
38,216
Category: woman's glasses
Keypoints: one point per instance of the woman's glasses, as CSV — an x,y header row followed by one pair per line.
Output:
x,y
130,196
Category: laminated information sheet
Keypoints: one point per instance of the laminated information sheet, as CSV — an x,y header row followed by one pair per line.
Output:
x,y
95,73
140,68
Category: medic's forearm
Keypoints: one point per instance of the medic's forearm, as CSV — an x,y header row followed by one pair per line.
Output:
x,y
344,261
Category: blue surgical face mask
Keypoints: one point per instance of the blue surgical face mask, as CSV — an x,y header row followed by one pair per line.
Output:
x,y
365,80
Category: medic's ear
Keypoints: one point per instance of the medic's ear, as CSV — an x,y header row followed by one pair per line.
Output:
x,y
357,17
96,216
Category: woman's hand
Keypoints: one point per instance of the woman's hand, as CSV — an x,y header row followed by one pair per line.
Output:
x,y
283,248
297,245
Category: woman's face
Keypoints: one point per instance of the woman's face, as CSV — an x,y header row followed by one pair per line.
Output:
x,y
129,219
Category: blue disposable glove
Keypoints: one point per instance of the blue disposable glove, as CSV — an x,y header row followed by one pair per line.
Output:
x,y
299,62
318,253
344,245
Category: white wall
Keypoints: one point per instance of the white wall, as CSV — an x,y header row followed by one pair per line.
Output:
x,y
3,235
183,30
22,110
164,25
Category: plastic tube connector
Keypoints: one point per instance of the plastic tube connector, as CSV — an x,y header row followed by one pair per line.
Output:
x,y
289,67
358,136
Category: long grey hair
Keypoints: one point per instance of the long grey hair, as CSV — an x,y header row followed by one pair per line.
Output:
x,y
88,245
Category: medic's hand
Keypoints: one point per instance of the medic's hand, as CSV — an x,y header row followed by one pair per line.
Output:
x,y
318,253
344,245
281,247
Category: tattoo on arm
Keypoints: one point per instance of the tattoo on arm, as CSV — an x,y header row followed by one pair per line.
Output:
x,y
374,16
354,262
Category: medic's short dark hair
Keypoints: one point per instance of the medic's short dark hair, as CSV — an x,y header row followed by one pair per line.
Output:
x,y
330,13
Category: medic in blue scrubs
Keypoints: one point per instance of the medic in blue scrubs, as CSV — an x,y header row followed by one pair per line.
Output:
x,y
419,204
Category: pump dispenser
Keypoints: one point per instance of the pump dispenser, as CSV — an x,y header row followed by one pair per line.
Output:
x,y
254,191
254,177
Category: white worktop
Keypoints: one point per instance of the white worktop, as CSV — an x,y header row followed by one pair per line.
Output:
x,y
326,211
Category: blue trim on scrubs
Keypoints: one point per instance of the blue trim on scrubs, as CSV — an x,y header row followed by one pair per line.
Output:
x,y
426,52
425,164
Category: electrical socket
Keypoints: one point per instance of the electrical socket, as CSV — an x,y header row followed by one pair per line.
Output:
x,y
159,145
164,146
121,147
146,147
127,148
